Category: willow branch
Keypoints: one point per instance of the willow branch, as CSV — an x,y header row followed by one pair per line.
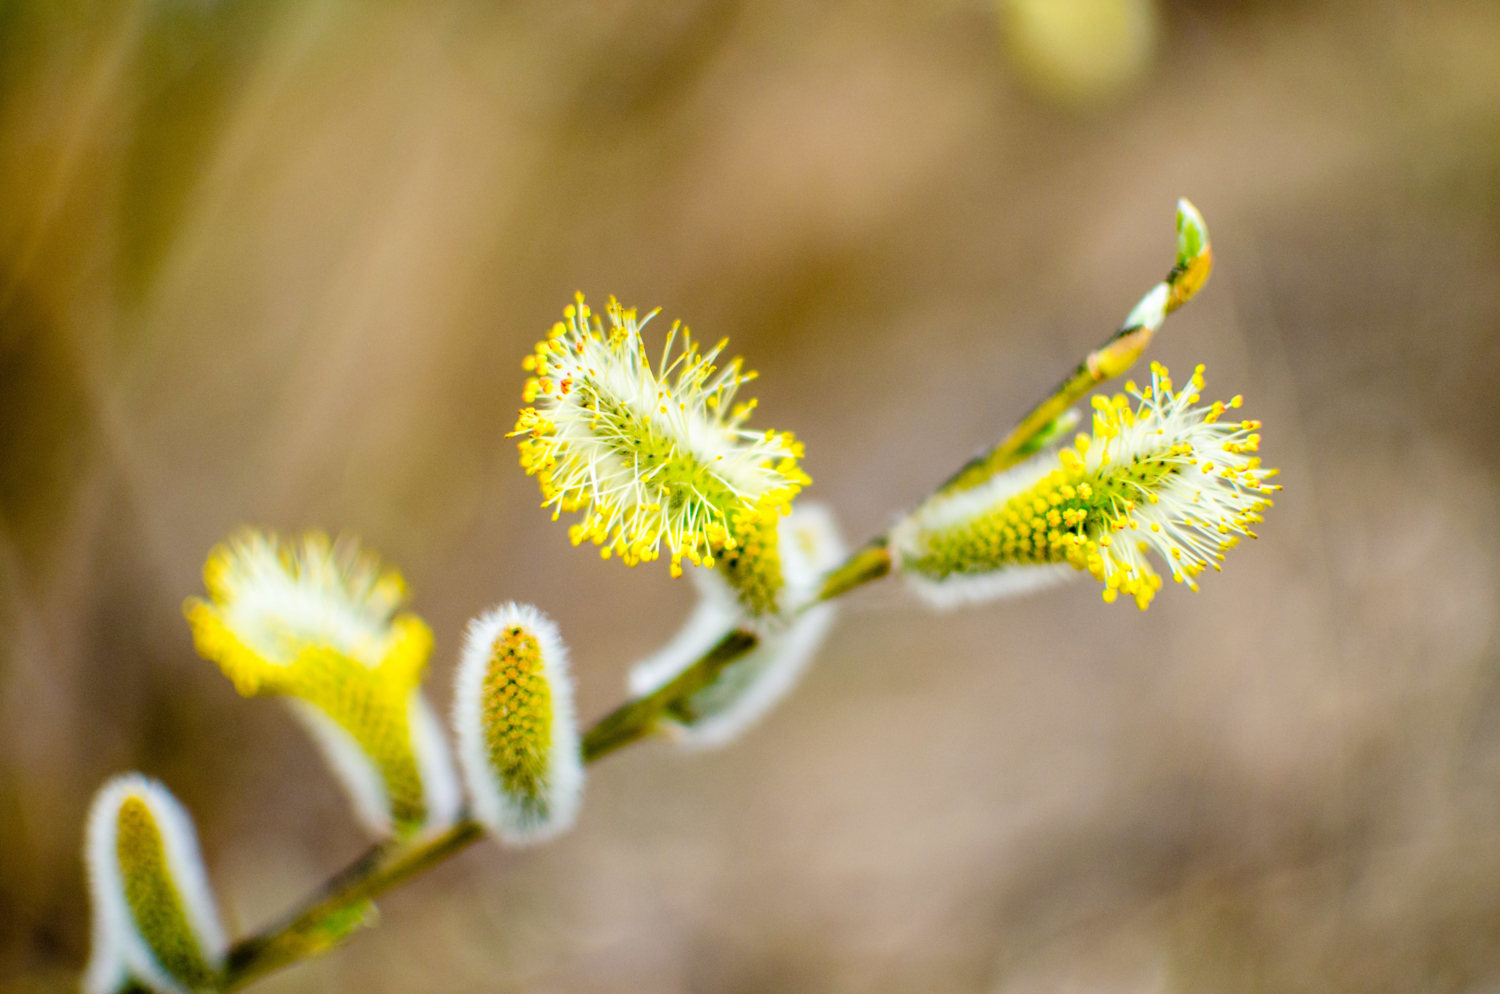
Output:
x,y
343,903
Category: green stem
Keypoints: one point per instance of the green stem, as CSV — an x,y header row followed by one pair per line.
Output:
x,y
323,920
870,562
636,719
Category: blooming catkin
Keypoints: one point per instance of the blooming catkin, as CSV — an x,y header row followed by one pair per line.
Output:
x,y
154,917
656,456
1168,477
317,624
513,716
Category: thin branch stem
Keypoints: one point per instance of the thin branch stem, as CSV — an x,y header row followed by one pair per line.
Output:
x,y
637,719
870,562
324,919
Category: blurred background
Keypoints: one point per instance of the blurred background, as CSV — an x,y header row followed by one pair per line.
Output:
x,y
276,263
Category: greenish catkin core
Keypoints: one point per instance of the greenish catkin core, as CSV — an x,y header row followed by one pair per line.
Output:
x,y
679,475
517,716
375,713
752,566
1060,519
154,901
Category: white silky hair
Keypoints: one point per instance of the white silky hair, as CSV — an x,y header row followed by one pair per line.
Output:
x,y
331,595
492,806
442,797
285,596
958,590
119,949
809,545
673,402
635,385
714,616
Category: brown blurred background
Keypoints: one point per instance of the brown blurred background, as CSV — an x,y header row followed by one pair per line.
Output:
x,y
276,262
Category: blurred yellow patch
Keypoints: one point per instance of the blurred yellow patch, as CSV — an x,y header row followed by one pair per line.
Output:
x,y
1080,51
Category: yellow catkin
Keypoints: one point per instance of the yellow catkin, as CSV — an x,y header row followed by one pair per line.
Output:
x,y
1060,519
516,705
374,710
1168,477
372,704
655,456
154,901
